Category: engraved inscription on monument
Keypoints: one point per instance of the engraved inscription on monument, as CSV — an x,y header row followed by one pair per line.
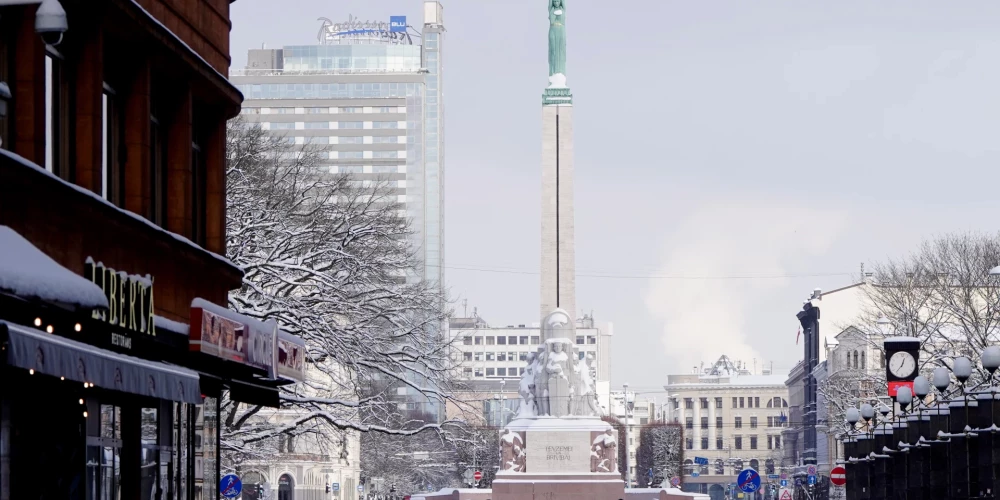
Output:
x,y
559,451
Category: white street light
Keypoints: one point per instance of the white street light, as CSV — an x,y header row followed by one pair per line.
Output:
x,y
921,387
962,368
941,379
991,359
995,271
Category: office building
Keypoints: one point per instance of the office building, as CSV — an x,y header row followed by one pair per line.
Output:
x,y
369,97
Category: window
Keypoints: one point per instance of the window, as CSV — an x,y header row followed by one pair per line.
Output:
x,y
501,356
718,422
734,403
349,140
467,372
718,403
317,111
535,340
741,402
478,340
582,355
753,422
770,421
855,359
157,209
490,356
384,109
385,154
199,181
770,442
756,402
467,356
351,155
579,340
704,422
720,465
352,125
718,446
689,443
511,340
689,422
688,403
479,372
502,372
777,442
643,420
316,125
704,403
478,356
523,340
385,124
57,107
501,340
467,341
738,442
490,340
317,140
282,126
862,360
523,356
739,423
351,109
753,442
490,372
112,132
704,443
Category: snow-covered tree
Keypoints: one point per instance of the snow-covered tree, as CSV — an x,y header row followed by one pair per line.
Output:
x,y
326,257
661,449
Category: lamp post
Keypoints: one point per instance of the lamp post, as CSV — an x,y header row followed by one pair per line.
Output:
x,y
853,416
940,455
917,434
628,439
988,441
961,460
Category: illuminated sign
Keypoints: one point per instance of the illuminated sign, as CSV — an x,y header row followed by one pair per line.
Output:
x,y
130,301
260,346
291,357
397,24
358,31
218,335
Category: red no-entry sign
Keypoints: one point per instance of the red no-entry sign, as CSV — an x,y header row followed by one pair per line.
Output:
x,y
478,475
838,476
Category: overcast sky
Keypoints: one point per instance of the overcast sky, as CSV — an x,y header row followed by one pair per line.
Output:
x,y
715,141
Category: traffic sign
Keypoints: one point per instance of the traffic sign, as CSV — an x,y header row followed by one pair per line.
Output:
x,y
784,475
695,474
748,481
675,481
812,480
811,470
786,494
798,481
478,475
784,482
361,487
772,476
838,476
700,460
230,486
335,486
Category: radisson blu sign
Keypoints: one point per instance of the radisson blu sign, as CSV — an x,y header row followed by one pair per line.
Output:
x,y
355,30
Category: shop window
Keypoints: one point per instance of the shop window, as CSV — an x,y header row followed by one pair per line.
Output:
x,y
104,448
206,450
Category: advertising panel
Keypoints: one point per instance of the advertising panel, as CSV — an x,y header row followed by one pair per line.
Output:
x,y
291,357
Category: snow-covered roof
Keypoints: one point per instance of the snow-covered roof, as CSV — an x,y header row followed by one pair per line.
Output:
x,y
27,272
20,160
775,379
170,325
901,338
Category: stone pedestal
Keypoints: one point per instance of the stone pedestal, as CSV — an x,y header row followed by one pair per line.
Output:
x,y
563,458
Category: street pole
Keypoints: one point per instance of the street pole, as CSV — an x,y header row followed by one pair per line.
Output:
x,y
628,440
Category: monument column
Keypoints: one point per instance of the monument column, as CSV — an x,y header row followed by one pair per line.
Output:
x,y
558,264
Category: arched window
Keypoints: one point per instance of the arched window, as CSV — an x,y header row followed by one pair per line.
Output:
x,y
855,359
769,466
863,367
848,359
286,487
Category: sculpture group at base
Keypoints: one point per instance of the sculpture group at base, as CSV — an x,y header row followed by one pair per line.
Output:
x,y
604,452
556,381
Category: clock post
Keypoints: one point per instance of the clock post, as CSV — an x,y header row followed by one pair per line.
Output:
x,y
902,356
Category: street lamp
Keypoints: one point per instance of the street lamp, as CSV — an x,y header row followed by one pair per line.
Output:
x,y
995,271
628,440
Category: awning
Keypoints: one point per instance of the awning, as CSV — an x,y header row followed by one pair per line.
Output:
x,y
61,357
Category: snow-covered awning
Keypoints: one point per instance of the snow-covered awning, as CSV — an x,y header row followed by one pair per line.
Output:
x,y
27,272
57,356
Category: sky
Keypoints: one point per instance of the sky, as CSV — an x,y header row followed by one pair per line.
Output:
x,y
731,156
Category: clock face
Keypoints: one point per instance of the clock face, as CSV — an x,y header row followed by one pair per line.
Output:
x,y
902,364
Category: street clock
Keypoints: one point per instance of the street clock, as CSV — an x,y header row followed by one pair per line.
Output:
x,y
902,355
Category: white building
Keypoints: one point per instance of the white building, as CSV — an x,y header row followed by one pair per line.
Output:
x,y
500,353
634,411
733,418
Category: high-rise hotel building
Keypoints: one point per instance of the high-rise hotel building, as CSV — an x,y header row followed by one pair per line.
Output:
x,y
369,96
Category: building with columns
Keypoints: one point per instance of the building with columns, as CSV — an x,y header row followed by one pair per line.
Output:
x,y
732,417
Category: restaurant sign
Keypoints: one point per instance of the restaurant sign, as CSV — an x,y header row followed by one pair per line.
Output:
x,y
291,357
130,302
226,334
